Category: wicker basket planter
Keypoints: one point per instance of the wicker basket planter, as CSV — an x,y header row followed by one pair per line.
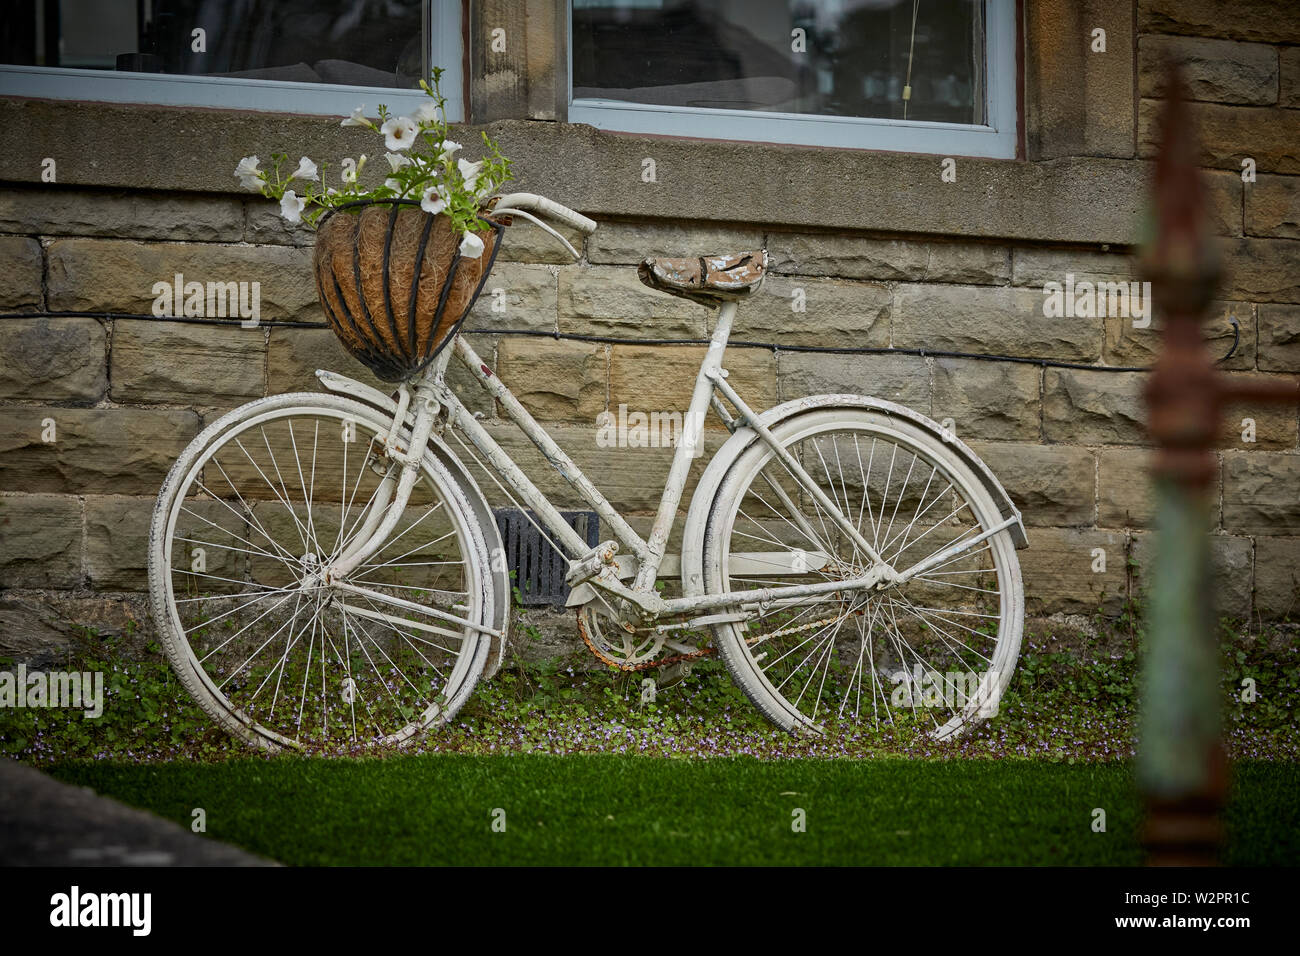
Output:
x,y
393,283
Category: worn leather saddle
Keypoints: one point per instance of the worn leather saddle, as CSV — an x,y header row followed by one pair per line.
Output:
x,y
710,280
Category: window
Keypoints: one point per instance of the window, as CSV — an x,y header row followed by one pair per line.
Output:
x,y
303,56
933,76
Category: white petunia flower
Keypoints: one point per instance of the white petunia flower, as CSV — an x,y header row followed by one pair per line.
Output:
x,y
250,177
399,132
469,171
291,206
306,170
358,118
427,115
397,160
394,185
432,202
450,146
471,247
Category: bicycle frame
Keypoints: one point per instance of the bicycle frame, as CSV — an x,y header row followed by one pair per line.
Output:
x,y
420,441
648,552
432,394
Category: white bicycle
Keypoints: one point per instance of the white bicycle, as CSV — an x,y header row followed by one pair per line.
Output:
x,y
325,571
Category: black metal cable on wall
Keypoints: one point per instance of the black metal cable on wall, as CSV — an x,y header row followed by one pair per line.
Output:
x,y
622,340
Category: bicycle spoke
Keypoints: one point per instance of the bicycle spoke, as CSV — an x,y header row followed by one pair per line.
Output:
x,y
275,464
251,516
278,669
280,650
245,517
914,506
231,533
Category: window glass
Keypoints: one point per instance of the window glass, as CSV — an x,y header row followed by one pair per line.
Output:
x,y
371,43
919,60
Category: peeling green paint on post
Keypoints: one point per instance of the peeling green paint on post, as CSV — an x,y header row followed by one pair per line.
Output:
x,y
1180,721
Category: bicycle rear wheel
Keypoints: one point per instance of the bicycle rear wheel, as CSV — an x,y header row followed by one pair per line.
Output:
x,y
250,513
935,653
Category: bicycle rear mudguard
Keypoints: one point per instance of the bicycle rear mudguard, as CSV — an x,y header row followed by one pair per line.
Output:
x,y
482,510
692,560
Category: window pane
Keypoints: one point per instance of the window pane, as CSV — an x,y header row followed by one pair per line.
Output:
x,y
820,57
351,42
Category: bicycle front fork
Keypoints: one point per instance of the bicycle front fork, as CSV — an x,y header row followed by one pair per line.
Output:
x,y
394,491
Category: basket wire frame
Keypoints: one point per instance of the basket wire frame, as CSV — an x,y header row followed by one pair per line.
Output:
x,y
383,362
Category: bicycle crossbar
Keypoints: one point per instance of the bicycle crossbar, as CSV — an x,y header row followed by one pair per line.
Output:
x,y
514,475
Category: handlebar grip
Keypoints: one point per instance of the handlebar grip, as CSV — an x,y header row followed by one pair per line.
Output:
x,y
549,208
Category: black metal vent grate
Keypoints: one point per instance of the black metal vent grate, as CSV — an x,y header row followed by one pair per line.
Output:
x,y
538,569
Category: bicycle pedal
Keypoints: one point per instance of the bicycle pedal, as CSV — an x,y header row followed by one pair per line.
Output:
x,y
590,564
673,674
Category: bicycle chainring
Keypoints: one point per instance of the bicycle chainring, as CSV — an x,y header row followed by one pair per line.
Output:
x,y
626,645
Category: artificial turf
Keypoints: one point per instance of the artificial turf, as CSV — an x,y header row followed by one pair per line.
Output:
x,y
614,809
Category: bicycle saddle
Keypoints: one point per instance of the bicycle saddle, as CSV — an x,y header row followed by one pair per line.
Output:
x,y
707,279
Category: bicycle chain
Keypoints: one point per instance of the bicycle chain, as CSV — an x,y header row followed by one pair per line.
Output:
x,y
645,665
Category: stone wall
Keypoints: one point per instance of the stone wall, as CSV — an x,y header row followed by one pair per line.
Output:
x,y
96,408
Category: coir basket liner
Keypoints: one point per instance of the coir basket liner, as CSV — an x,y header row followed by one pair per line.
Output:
x,y
393,283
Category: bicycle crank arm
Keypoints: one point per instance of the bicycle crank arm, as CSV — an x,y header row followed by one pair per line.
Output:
x,y
727,617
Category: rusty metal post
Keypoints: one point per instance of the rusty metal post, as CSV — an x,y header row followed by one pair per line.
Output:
x,y
1181,766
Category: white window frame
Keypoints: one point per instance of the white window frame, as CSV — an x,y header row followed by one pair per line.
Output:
x,y
238,93
997,138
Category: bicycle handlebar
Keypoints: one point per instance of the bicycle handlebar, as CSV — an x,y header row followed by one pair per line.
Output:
x,y
549,208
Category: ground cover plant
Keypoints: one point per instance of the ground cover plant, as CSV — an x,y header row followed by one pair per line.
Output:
x,y
582,769
1065,704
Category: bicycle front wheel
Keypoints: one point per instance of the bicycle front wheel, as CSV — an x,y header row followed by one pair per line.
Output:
x,y
934,653
250,514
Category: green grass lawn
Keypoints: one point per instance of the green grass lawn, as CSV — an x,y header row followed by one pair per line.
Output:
x,y
587,773
611,809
